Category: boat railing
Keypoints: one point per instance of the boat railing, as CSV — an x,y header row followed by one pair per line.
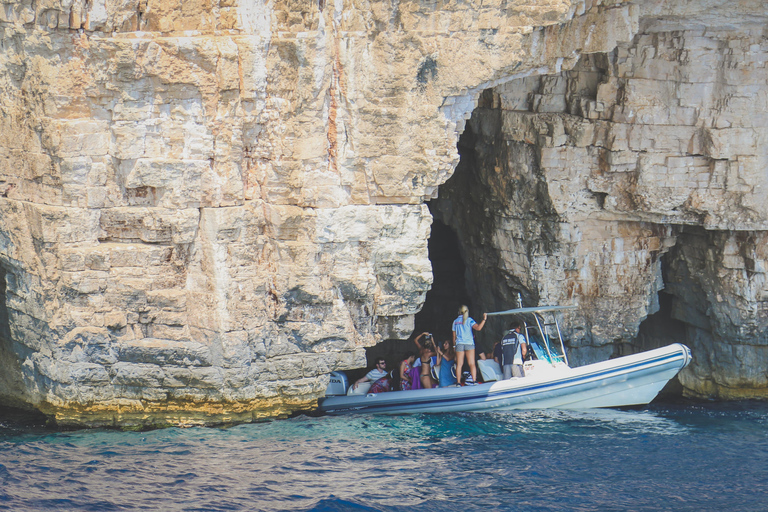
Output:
x,y
552,331
546,330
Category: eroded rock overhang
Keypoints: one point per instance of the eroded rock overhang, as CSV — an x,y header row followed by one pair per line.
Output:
x,y
634,184
206,210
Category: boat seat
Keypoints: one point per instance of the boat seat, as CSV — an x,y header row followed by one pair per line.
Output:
x,y
362,389
490,370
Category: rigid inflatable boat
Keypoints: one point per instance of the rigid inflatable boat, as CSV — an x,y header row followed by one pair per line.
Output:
x,y
549,381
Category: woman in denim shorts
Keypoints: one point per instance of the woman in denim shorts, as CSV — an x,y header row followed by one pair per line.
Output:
x,y
464,340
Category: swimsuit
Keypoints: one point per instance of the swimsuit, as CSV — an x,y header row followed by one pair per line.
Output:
x,y
425,366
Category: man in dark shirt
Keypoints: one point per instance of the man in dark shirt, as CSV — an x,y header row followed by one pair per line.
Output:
x,y
513,349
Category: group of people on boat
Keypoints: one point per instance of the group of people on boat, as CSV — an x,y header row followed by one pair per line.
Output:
x,y
429,367
449,357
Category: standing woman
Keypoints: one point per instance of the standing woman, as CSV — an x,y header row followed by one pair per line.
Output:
x,y
425,356
464,341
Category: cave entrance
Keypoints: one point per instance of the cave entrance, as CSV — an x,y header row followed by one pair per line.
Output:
x,y
12,387
450,275
479,223
448,290
683,311
460,229
661,328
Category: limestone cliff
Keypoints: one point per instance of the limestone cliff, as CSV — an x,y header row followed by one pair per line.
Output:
x,y
206,206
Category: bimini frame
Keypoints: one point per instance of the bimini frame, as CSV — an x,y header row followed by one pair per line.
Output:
x,y
540,323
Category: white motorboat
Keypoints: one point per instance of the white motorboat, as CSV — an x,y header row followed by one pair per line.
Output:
x,y
549,382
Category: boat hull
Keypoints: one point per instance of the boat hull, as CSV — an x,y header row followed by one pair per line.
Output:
x,y
629,380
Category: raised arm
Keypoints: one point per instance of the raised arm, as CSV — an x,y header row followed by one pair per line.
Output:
x,y
440,355
416,341
479,326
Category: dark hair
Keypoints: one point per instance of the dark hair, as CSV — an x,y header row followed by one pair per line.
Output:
x,y
381,360
514,324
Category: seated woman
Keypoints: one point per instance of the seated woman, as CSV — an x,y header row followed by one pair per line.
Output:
x,y
426,351
406,368
446,360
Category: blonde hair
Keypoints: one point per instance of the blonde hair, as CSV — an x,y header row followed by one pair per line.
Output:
x,y
464,312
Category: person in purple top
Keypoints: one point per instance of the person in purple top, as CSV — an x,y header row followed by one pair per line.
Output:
x,y
406,366
464,340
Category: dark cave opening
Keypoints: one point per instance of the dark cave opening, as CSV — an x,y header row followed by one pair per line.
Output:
x,y
658,330
661,328
448,290
449,271
11,381
471,209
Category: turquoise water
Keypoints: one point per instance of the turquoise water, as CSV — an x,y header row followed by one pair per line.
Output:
x,y
677,457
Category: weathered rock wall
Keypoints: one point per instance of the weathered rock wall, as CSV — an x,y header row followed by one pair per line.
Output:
x,y
207,206
581,182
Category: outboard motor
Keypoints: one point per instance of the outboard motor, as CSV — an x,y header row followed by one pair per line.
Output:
x,y
338,384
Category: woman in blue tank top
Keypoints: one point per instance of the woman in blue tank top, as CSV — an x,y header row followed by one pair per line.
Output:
x,y
446,360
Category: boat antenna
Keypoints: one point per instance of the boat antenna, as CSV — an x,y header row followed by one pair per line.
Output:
x,y
525,324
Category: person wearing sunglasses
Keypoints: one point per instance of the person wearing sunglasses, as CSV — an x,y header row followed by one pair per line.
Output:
x,y
376,376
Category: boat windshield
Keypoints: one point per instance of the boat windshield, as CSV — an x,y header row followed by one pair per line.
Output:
x,y
542,331
539,348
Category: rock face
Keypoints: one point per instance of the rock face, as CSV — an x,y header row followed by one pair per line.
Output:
x,y
206,207
638,171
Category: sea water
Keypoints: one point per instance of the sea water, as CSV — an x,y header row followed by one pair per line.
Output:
x,y
678,457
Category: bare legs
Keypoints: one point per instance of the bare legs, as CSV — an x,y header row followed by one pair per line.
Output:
x,y
459,364
470,356
471,363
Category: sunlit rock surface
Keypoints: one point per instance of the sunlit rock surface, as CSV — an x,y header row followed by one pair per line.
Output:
x,y
205,207
638,171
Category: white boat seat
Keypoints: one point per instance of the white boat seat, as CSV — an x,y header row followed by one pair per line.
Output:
x,y
490,370
362,388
